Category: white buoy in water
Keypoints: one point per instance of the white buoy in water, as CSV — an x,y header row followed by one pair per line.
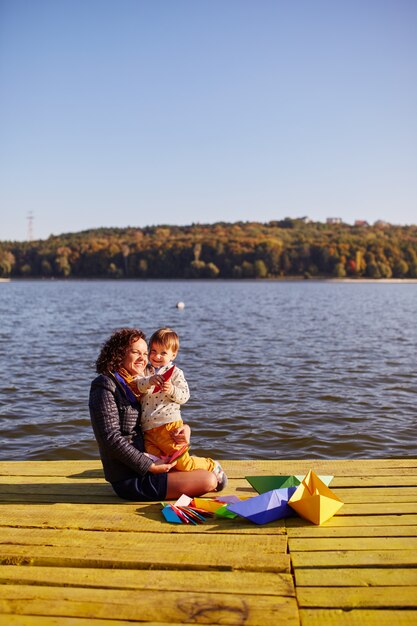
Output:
x,y
180,305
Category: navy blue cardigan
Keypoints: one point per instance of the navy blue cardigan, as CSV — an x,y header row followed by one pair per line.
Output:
x,y
116,426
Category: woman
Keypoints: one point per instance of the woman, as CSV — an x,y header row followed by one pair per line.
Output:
x,y
115,417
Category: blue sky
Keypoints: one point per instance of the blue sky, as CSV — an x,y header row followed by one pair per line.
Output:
x,y
142,112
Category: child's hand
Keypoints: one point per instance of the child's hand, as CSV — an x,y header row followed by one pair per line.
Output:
x,y
160,467
167,386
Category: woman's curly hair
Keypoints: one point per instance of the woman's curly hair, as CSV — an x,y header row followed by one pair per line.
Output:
x,y
114,349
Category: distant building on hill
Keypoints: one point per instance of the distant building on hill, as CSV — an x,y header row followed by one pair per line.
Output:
x,y
361,223
334,220
381,224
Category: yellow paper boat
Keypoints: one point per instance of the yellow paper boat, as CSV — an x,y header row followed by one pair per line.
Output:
x,y
314,501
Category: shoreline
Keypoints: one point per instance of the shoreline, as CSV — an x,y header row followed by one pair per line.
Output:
x,y
278,279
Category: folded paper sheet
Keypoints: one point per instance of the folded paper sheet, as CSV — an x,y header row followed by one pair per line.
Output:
x,y
267,507
224,511
184,511
208,504
314,501
219,506
261,484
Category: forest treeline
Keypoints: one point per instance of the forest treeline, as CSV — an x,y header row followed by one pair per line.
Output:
x,y
285,248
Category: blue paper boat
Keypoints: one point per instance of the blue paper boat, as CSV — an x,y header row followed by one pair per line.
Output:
x,y
267,507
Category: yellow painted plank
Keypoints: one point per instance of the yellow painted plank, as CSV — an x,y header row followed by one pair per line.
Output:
x,y
265,583
160,552
352,531
343,486
354,509
355,558
378,508
50,493
356,577
320,464
78,469
236,469
377,494
88,557
134,541
354,484
378,478
310,544
28,481
6,619
375,491
365,617
122,515
165,606
357,597
53,498
356,521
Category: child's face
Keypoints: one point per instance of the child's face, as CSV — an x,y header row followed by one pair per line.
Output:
x,y
160,355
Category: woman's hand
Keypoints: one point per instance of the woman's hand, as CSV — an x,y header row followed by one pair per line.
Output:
x,y
159,467
182,434
157,380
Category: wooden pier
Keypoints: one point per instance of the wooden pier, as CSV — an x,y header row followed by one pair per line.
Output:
x,y
72,553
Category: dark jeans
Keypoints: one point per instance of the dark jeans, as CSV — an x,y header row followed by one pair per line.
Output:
x,y
146,488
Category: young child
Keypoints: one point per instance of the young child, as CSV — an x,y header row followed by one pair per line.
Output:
x,y
161,409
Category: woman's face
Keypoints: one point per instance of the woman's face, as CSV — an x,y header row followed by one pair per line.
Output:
x,y
136,357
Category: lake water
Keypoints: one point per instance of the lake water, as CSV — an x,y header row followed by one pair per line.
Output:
x,y
277,370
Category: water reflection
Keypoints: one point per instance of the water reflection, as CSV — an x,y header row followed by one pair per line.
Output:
x,y
276,369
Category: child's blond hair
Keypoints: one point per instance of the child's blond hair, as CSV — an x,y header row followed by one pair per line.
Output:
x,y
167,338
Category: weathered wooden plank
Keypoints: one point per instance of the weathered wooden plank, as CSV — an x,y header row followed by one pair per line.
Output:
x,y
357,465
57,482
236,469
357,597
378,508
78,469
123,516
101,493
266,583
377,494
356,521
352,531
343,485
356,577
355,558
202,551
6,619
162,606
368,617
135,541
54,498
89,557
344,477
353,493
310,544
378,478
353,509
